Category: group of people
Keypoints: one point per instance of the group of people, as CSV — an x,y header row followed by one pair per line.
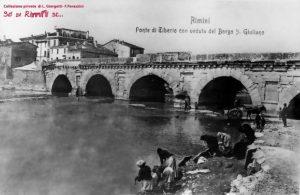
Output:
x,y
221,145
160,178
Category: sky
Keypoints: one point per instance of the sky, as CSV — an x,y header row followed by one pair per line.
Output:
x,y
118,19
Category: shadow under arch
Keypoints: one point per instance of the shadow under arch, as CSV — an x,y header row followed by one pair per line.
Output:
x,y
223,93
61,86
294,107
150,88
99,86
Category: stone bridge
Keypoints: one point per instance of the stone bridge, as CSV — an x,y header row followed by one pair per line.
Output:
x,y
269,79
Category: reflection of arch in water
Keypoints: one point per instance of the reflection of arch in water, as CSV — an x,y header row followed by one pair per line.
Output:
x,y
61,86
98,85
150,88
222,92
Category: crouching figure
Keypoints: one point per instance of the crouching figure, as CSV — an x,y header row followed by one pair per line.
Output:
x,y
144,176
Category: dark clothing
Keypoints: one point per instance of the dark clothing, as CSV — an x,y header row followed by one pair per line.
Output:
x,y
187,103
249,157
283,112
263,122
78,92
212,144
283,115
144,173
163,155
240,149
284,121
249,132
258,121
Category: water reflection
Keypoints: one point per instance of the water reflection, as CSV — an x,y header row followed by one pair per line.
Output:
x,y
64,146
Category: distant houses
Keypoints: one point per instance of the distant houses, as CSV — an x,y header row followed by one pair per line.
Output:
x,y
123,48
13,55
62,44
67,44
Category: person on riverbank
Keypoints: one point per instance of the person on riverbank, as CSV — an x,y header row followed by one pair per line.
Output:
x,y
240,148
144,176
224,143
283,114
249,133
263,122
258,121
78,93
212,145
187,103
167,159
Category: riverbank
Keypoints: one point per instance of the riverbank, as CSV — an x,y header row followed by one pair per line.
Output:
x,y
277,158
275,165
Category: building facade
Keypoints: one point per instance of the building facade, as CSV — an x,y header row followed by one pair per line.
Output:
x,y
123,49
61,37
15,54
78,51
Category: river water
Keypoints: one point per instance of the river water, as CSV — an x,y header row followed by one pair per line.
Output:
x,y
58,146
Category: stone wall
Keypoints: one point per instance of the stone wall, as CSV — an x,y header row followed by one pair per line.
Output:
x,y
268,82
29,80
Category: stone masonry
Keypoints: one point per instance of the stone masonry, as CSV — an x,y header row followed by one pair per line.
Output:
x,y
270,79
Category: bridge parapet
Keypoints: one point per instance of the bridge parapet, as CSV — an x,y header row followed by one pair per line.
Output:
x,y
248,57
247,65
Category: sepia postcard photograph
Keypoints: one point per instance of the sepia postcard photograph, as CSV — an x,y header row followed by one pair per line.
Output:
x,y
149,97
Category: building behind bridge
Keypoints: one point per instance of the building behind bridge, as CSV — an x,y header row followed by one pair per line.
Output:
x,y
66,44
13,55
123,48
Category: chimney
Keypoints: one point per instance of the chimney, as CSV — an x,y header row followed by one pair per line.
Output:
x,y
95,43
4,38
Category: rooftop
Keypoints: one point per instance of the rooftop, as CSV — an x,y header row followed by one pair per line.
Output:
x,y
40,36
9,42
124,43
89,47
71,30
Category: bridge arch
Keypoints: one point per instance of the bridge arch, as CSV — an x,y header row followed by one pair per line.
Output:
x,y
288,94
291,96
236,77
97,84
61,85
150,87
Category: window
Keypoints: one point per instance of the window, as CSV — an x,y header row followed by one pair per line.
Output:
x,y
65,50
73,57
45,53
57,51
54,42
